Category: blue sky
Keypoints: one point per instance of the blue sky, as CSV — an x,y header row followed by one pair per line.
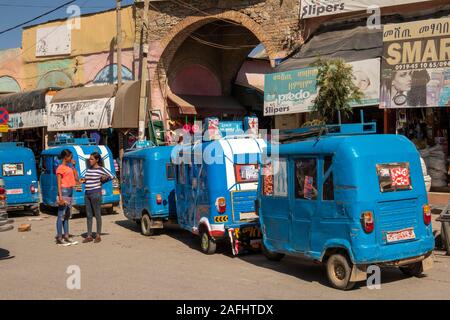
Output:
x,y
14,12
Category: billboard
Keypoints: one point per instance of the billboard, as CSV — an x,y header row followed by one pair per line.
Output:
x,y
52,41
318,8
294,91
416,68
81,115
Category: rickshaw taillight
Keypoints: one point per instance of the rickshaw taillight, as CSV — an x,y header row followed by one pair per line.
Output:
x,y
367,221
221,205
33,189
426,214
2,191
158,199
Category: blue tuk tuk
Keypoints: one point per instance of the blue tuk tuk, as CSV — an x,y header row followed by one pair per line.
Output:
x,y
81,149
216,184
18,169
349,199
148,187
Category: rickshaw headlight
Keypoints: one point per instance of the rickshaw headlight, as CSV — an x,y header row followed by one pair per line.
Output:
x,y
367,221
158,199
221,205
426,214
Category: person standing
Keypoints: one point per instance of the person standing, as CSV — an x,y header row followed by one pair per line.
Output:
x,y
67,178
95,176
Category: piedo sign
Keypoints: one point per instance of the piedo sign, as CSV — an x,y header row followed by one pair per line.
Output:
x,y
290,92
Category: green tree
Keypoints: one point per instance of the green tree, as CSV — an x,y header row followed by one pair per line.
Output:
x,y
336,89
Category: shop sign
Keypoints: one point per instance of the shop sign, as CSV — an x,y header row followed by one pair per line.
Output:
x,y
29,119
81,115
295,91
416,68
318,8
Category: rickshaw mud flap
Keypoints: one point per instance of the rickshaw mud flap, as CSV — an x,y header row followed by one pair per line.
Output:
x,y
359,273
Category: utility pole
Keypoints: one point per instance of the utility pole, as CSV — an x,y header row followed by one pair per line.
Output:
x,y
119,70
119,42
144,72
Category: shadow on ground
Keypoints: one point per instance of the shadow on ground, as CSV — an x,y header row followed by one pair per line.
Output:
x,y
5,254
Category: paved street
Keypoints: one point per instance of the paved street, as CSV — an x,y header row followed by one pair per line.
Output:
x,y
126,265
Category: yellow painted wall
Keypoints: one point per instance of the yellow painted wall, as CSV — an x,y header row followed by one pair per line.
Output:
x,y
96,34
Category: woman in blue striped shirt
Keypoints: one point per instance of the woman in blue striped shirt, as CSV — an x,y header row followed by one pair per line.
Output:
x,y
95,176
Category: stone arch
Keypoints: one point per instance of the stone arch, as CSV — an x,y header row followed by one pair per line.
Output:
x,y
170,43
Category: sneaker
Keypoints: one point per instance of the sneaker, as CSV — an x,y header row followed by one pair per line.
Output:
x,y
70,241
61,242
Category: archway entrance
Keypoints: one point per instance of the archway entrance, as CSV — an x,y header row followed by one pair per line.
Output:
x,y
197,71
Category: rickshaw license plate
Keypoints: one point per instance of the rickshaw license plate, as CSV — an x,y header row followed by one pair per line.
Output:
x,y
14,191
405,234
248,216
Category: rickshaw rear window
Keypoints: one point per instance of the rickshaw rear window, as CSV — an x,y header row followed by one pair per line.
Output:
x,y
12,169
394,177
246,173
170,171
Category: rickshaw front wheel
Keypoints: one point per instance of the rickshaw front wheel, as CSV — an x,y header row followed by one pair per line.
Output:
x,y
339,271
207,244
412,270
146,223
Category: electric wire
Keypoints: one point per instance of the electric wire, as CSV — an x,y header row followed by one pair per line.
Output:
x,y
38,17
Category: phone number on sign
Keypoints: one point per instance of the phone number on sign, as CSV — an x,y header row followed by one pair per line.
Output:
x,y
423,65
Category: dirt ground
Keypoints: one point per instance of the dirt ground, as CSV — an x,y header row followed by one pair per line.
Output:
x,y
126,265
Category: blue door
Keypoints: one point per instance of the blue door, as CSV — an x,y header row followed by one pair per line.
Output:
x,y
304,201
275,204
49,188
127,189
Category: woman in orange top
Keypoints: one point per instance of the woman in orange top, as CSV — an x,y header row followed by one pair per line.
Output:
x,y
67,178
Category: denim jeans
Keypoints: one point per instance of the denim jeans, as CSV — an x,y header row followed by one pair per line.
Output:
x,y
94,207
64,212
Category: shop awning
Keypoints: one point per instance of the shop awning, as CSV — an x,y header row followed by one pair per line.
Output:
x,y
24,101
205,106
126,111
358,43
251,74
82,108
183,106
84,93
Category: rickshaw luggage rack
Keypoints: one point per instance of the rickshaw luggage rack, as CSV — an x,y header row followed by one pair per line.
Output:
x,y
73,141
300,134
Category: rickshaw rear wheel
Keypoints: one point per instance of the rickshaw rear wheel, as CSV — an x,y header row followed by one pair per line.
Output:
x,y
146,222
339,271
270,255
412,270
207,244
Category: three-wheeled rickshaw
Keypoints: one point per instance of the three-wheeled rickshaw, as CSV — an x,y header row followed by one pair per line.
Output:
x,y
216,183
81,149
148,187
18,170
347,198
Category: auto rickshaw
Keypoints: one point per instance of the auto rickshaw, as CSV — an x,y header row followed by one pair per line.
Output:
x,y
347,198
18,170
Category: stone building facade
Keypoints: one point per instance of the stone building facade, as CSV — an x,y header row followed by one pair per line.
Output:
x,y
215,36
